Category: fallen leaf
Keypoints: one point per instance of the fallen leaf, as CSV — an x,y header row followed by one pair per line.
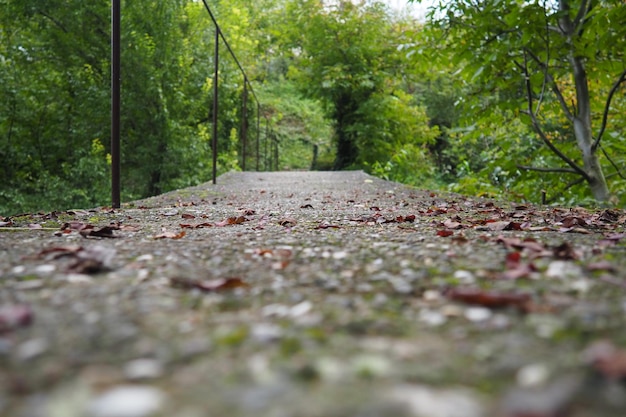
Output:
x,y
73,225
573,221
129,227
59,251
87,266
606,359
195,226
287,222
105,231
208,285
498,226
326,225
515,268
565,251
170,235
451,224
187,216
601,266
516,243
231,221
444,233
15,316
306,206
490,299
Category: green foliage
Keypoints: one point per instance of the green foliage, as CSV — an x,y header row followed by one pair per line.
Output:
x,y
348,58
298,123
343,84
551,60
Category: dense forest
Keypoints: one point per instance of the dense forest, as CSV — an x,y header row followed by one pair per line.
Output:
x,y
507,98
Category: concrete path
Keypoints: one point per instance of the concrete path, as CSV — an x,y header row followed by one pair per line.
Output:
x,y
312,294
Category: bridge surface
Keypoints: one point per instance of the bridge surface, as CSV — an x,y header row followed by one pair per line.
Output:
x,y
312,294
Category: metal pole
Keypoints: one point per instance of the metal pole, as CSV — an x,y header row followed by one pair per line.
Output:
x,y
215,100
115,102
267,133
275,154
244,124
258,132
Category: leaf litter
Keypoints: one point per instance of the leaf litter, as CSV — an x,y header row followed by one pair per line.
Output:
x,y
364,292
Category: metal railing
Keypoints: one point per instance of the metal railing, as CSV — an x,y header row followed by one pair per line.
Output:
x,y
270,160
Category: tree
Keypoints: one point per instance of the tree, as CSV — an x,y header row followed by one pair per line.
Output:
x,y
558,64
346,55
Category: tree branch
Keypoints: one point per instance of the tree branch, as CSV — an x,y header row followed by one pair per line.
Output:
x,y
618,171
53,20
540,131
555,87
541,169
582,12
607,106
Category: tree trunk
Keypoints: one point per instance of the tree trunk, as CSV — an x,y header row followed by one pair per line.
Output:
x,y
582,117
584,135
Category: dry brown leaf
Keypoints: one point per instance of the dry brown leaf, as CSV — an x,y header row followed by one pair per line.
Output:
x,y
170,235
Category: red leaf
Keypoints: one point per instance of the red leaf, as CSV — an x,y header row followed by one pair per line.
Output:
x,y
513,260
489,299
188,216
444,233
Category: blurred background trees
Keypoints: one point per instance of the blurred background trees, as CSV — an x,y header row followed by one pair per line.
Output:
x,y
441,103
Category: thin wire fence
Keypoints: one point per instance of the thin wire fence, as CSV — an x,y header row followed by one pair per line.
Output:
x,y
265,157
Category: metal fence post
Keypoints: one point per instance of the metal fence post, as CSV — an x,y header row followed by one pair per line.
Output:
x,y
115,102
244,124
258,132
215,101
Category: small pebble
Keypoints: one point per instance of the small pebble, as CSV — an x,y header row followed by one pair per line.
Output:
x,y
45,269
32,348
127,401
465,277
532,375
144,368
476,314
432,317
